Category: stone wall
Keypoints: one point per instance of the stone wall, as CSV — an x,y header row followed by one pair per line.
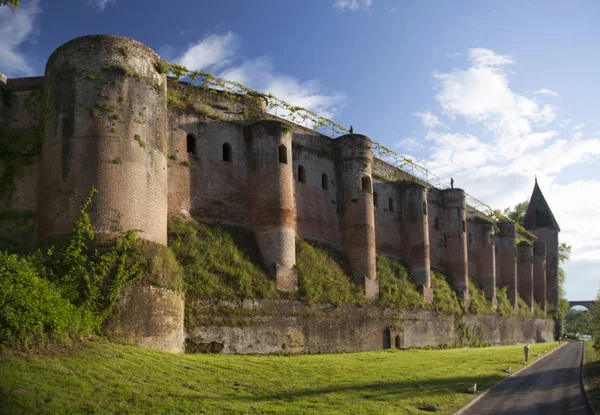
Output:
x,y
280,326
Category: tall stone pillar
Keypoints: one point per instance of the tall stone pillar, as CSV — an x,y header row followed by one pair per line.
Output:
x,y
455,241
549,236
539,274
525,272
415,237
485,259
272,204
506,260
355,158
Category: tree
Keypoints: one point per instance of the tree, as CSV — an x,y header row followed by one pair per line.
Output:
x,y
517,213
15,3
579,322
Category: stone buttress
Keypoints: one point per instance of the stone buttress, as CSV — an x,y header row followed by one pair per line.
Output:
x,y
525,272
485,258
539,274
506,260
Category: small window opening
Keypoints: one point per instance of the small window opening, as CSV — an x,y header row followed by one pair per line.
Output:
x,y
397,342
496,249
282,154
436,224
464,226
391,204
191,144
375,199
301,174
470,238
366,183
458,213
227,152
491,239
424,208
324,182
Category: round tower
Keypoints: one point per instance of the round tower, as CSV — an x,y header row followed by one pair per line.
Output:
x,y
455,240
415,237
105,126
272,204
358,216
539,274
506,257
525,272
485,259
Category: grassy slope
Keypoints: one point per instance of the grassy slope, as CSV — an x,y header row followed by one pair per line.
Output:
x,y
103,378
592,375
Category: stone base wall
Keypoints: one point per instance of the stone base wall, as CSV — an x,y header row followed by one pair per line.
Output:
x,y
282,326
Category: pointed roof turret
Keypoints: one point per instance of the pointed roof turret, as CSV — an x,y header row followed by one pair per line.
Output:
x,y
538,213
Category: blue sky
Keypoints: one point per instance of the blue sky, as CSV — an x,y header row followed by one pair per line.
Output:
x,y
488,92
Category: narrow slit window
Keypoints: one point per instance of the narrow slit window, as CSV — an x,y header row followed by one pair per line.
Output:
x,y
227,152
391,204
283,154
424,208
366,183
301,174
491,239
324,182
436,224
470,238
375,199
464,226
191,144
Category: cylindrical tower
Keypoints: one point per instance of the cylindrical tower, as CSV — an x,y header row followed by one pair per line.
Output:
x,y
272,204
506,257
525,272
549,236
485,259
358,217
539,274
415,237
455,240
105,126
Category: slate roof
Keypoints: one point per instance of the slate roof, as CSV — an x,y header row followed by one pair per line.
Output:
x,y
538,213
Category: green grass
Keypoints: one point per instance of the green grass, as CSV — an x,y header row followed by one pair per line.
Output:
x,y
591,372
324,277
101,378
396,287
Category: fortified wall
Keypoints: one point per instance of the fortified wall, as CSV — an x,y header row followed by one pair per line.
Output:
x,y
104,115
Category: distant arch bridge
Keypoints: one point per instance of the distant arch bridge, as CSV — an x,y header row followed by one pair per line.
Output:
x,y
587,304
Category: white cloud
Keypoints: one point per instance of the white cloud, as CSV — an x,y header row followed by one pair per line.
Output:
x,y
408,144
352,5
220,52
430,120
547,92
480,57
213,51
17,28
100,5
578,126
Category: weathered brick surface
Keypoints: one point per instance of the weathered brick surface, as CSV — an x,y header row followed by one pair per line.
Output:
x,y
549,236
539,274
506,260
388,224
485,258
455,240
525,273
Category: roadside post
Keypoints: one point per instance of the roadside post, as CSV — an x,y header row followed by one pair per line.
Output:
x,y
526,350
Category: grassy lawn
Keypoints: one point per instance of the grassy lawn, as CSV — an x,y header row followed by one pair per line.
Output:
x,y
591,373
103,378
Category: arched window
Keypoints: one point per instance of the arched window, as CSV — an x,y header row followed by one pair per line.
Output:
x,y
324,182
283,154
391,204
436,224
397,342
191,144
301,174
424,208
464,226
365,182
375,199
227,156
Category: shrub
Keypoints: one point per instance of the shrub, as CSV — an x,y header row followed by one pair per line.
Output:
x,y
505,307
479,303
323,276
396,287
445,300
524,309
537,311
217,261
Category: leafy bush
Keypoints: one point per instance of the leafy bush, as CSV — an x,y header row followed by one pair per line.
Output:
x,y
323,276
217,261
445,300
396,287
537,311
505,307
479,303
524,309
32,309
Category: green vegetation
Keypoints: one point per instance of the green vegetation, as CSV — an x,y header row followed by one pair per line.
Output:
x,y
103,378
163,67
537,310
14,3
524,310
591,373
91,76
505,307
578,323
18,149
117,160
217,261
141,142
445,300
124,51
323,276
479,303
396,287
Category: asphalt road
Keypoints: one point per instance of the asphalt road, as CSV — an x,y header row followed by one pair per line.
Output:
x,y
550,386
